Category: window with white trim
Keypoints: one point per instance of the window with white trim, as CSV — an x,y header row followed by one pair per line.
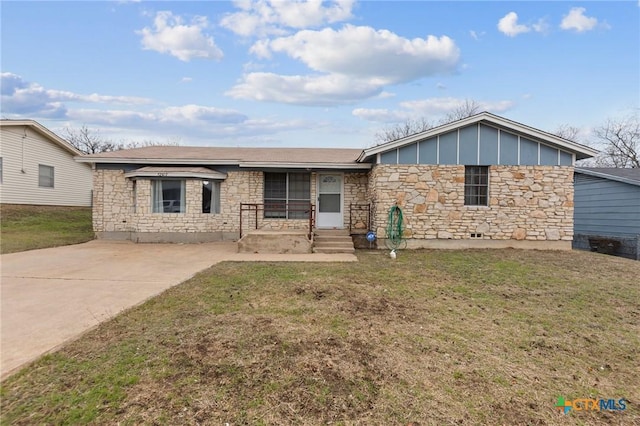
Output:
x,y
287,195
211,196
476,185
45,176
168,196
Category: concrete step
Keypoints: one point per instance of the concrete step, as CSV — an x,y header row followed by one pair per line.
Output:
x,y
333,250
327,232
332,241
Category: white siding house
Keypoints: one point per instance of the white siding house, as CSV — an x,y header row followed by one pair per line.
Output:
x,y
37,167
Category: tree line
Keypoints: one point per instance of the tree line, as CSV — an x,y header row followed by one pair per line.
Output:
x,y
90,141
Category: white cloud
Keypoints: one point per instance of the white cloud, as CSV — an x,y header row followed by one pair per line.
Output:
x,y
22,97
353,63
426,108
508,25
378,55
172,36
303,90
186,80
203,125
542,26
139,119
196,113
576,20
476,35
381,115
274,17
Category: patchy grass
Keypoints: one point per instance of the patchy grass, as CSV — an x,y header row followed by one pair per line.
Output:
x,y
26,227
435,337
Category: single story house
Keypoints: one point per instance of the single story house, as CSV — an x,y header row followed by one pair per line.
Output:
x,y
483,181
607,210
38,167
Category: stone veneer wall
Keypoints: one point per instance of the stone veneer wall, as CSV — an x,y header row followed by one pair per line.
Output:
x,y
526,203
355,191
122,208
120,211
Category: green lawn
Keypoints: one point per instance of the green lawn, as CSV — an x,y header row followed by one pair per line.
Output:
x,y
434,337
25,227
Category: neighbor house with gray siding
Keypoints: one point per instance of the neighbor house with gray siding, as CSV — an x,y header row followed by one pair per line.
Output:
x,y
607,210
38,167
483,181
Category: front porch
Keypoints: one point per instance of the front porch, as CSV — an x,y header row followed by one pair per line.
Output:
x,y
296,232
296,242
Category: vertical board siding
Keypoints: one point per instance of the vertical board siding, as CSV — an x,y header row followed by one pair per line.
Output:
x,y
606,207
448,143
488,145
478,144
389,157
566,159
468,145
508,149
528,152
548,155
428,151
72,180
408,154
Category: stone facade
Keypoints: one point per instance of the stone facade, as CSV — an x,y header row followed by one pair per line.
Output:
x,y
122,208
526,203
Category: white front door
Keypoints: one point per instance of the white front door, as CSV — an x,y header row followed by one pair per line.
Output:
x,y
329,208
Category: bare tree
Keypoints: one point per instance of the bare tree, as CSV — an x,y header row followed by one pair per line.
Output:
x,y
566,131
172,141
620,139
410,127
90,141
401,130
468,108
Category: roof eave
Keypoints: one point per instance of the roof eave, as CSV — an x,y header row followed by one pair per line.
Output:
x,y
208,162
281,165
606,176
175,161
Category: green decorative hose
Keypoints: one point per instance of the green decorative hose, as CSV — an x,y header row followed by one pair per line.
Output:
x,y
395,229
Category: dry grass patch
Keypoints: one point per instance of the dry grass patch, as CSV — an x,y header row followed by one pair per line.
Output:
x,y
27,227
435,337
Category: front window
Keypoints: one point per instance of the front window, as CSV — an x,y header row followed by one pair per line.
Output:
x,y
287,195
45,176
210,196
168,196
476,185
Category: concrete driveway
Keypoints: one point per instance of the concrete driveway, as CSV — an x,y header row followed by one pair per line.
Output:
x,y
52,295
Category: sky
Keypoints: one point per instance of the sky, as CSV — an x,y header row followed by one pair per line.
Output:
x,y
314,73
